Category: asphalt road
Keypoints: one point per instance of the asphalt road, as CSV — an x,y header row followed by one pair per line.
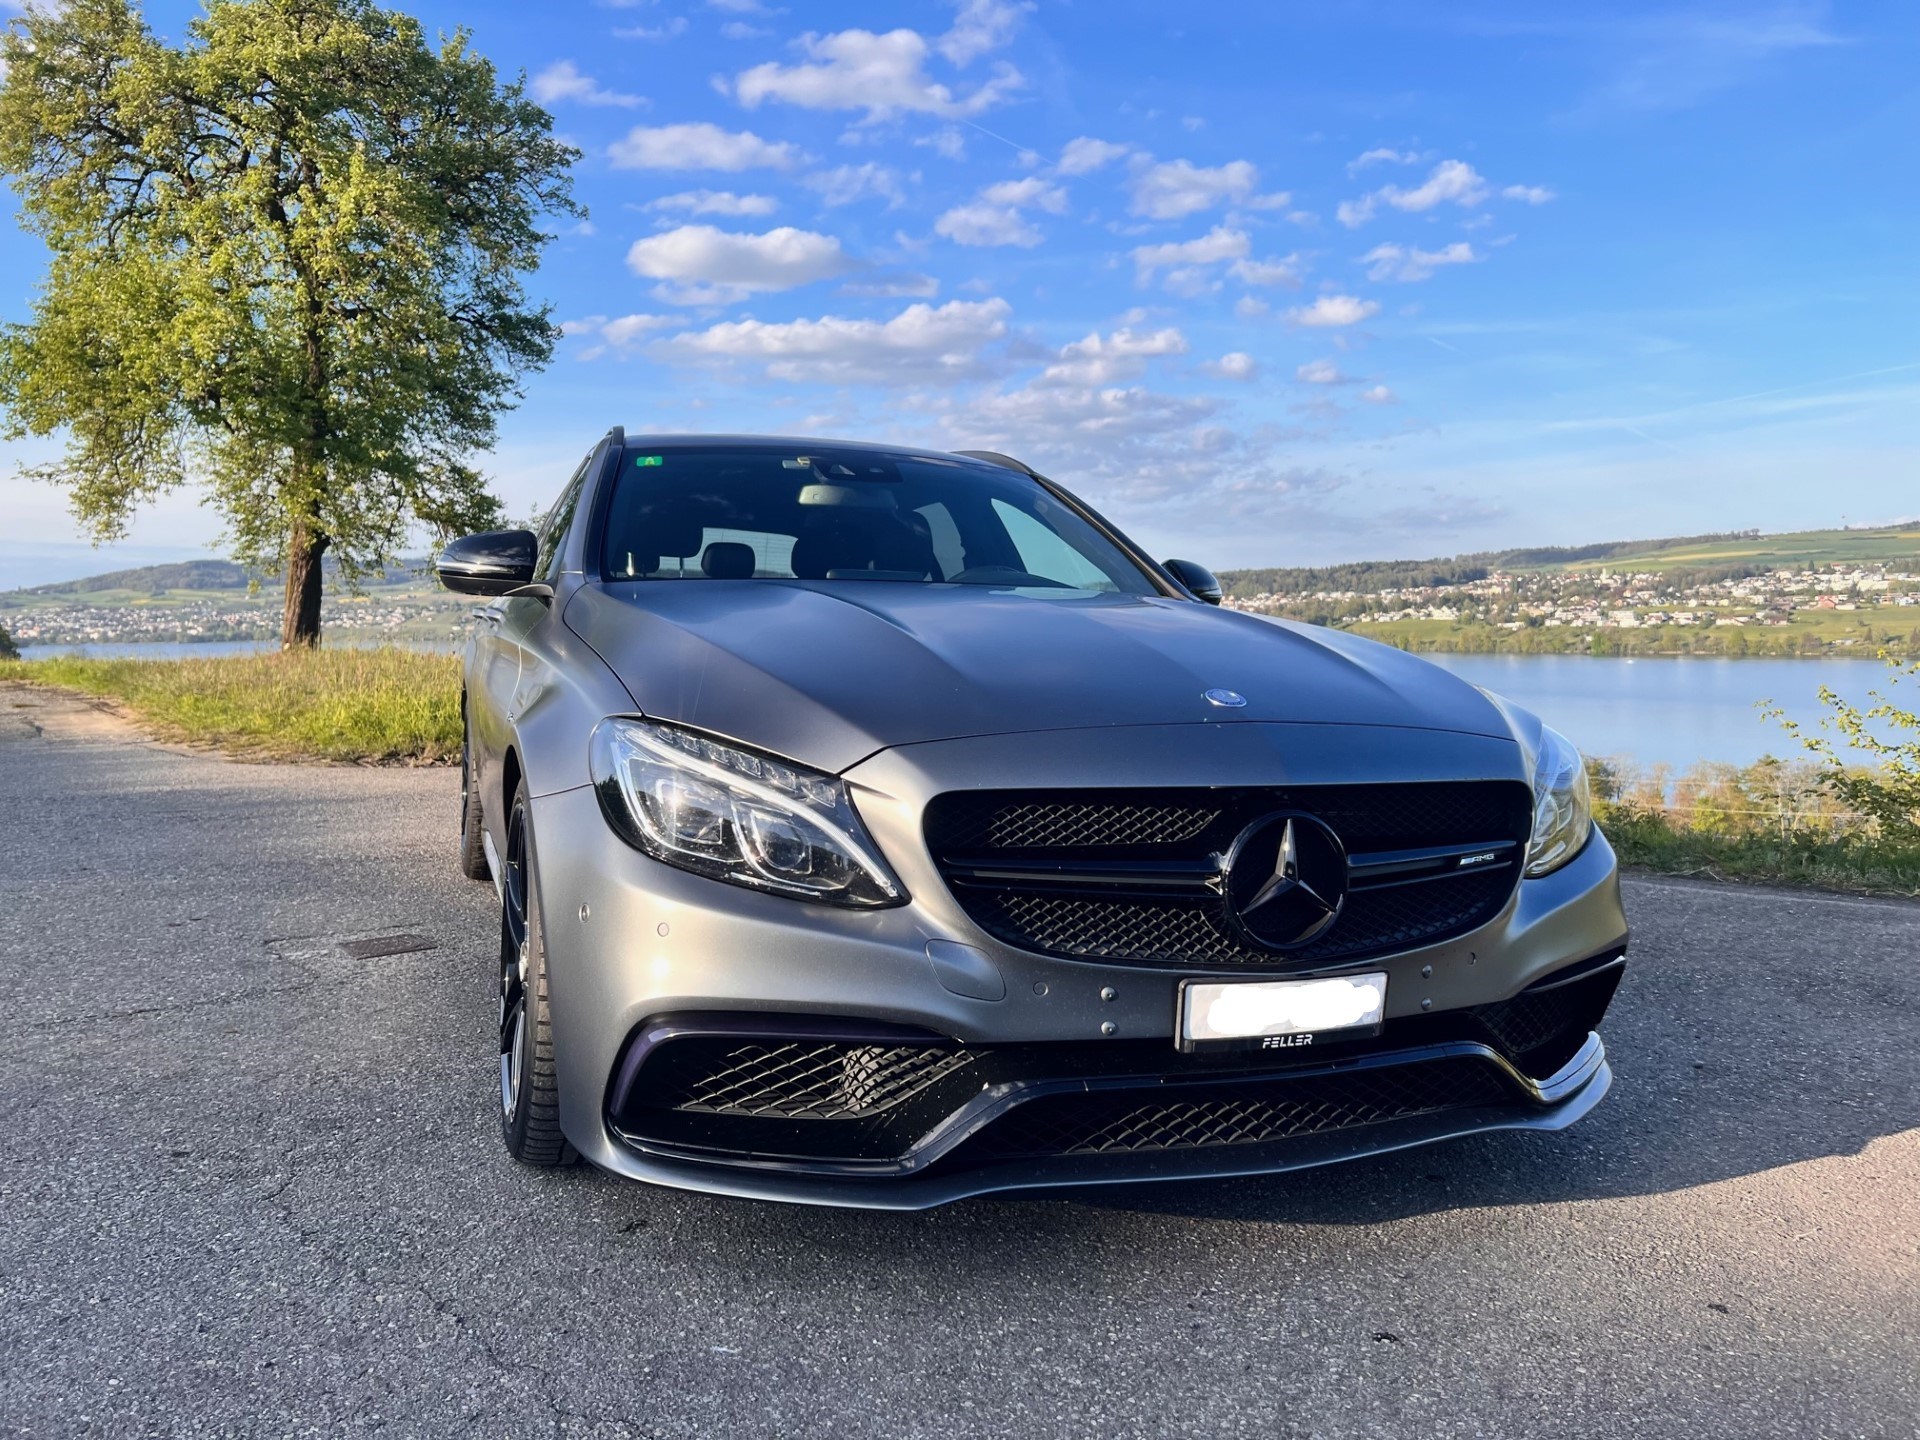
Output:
x,y
251,1184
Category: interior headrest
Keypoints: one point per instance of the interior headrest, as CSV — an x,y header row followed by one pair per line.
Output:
x,y
728,560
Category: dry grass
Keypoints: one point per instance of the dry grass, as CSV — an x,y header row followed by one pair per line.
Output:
x,y
1765,824
384,706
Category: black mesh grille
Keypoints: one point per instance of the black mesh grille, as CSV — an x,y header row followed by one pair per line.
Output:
x,y
812,1080
1100,1124
1080,831
1539,1030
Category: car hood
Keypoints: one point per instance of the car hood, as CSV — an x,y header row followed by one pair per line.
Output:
x,y
828,673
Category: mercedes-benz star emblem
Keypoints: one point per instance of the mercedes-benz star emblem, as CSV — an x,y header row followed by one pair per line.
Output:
x,y
1226,699
1286,880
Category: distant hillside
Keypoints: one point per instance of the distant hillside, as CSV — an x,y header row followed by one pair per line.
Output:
x,y
206,575
1697,557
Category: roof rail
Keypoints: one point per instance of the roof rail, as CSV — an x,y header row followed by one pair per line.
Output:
x,y
617,437
994,457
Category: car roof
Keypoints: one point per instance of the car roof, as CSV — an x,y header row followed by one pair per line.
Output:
x,y
643,439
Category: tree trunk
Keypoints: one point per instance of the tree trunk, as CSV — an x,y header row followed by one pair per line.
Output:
x,y
300,625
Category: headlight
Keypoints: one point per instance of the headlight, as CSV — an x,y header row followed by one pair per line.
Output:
x,y
735,815
1562,808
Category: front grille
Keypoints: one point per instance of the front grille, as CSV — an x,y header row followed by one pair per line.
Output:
x,y
1104,1124
1540,1029
811,1080
1064,847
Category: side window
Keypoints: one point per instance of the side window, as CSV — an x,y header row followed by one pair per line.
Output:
x,y
1046,554
553,534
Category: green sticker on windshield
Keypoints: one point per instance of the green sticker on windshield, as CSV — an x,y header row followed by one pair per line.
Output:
x,y
649,459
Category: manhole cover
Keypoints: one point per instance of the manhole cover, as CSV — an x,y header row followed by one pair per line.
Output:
x,y
381,945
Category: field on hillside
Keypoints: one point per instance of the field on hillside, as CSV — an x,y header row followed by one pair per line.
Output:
x,y
1800,551
1862,632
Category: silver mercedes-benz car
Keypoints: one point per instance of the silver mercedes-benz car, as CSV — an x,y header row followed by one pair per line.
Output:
x,y
876,826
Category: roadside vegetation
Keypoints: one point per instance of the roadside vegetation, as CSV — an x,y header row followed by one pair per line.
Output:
x,y
1826,821
1830,821
385,706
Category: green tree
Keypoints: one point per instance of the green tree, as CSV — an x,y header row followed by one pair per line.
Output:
x,y
8,650
286,259
1874,766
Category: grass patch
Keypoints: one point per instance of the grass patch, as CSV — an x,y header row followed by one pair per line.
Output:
x,y
389,706
1857,865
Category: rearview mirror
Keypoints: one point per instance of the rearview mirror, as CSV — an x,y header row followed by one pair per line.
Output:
x,y
491,563
1197,578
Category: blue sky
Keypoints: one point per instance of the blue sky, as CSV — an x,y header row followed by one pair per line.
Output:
x,y
1275,283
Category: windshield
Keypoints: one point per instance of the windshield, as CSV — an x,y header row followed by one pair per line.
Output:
x,y
737,512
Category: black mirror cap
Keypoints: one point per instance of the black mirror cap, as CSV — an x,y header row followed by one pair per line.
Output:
x,y
491,563
1197,579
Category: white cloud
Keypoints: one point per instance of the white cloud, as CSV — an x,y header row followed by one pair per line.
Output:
x,y
740,7
1250,307
948,144
716,202
1285,271
1084,154
1382,156
1038,193
996,217
1532,194
922,343
741,30
906,285
1176,188
978,223
1379,395
671,30
1398,262
859,70
1320,372
1450,182
1099,360
616,336
1354,213
981,26
1332,310
848,183
1219,243
562,81
699,265
1234,365
1109,414
699,146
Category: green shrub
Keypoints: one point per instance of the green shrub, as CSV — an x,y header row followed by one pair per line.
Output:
x,y
1888,790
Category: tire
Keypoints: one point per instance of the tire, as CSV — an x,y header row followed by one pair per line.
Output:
x,y
473,847
529,1085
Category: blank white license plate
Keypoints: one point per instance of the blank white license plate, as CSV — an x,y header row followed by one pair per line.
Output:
x,y
1280,1014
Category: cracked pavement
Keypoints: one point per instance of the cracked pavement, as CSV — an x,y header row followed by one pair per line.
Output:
x,y
253,1186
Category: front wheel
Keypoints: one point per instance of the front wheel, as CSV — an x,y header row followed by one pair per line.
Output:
x,y
529,1087
473,845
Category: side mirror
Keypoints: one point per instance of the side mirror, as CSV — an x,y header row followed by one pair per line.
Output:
x,y
1196,578
488,564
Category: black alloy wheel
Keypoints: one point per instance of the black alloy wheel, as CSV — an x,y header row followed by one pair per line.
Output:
x,y
529,1087
473,845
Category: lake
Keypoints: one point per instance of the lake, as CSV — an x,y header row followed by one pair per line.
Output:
x,y
1656,711
1670,711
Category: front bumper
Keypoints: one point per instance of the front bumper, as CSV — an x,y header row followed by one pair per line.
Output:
x,y
635,946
